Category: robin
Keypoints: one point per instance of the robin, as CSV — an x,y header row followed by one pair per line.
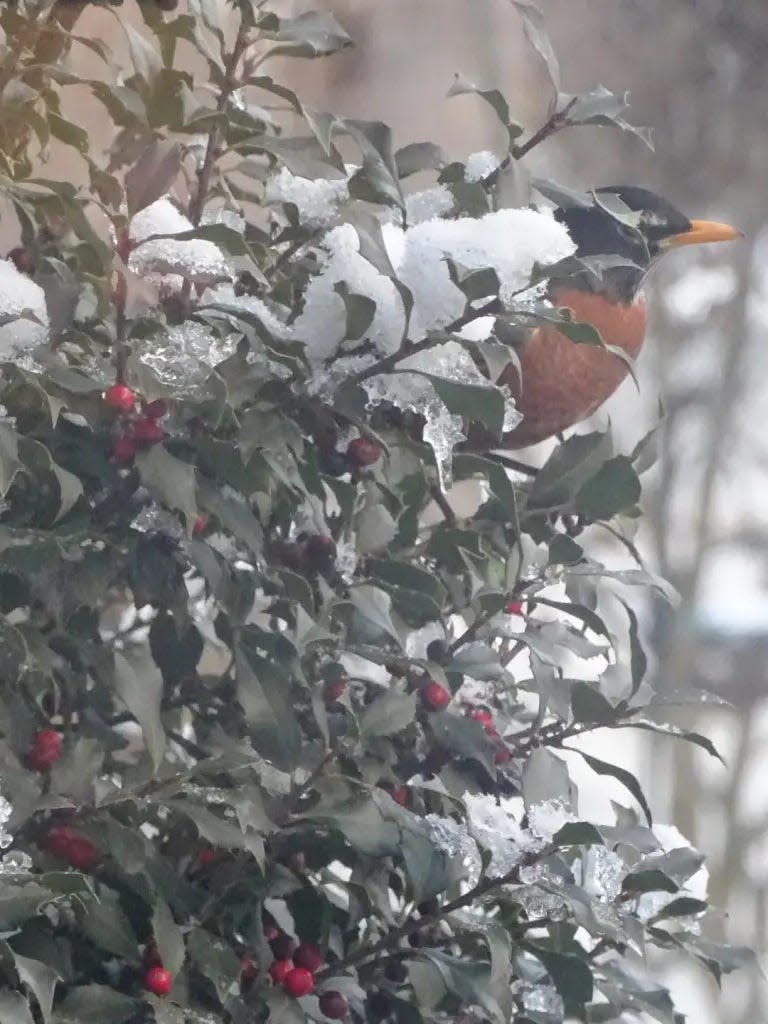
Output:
x,y
558,382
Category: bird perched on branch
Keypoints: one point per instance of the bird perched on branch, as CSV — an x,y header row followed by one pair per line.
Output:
x,y
559,382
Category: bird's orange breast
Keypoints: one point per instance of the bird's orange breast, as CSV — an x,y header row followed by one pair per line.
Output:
x,y
564,382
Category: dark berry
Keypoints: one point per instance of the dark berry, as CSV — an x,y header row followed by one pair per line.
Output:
x,y
437,651
333,1005
248,972
120,398
158,981
434,697
283,947
396,971
363,452
279,970
298,982
308,956
428,907
270,932
502,756
319,553
333,690
334,463
206,857
45,749
151,957
156,410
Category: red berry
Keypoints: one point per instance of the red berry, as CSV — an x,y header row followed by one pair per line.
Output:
x,y
400,795
199,525
120,398
435,697
155,410
363,452
71,847
45,749
283,947
206,857
123,451
333,1005
270,932
485,718
333,690
298,982
308,956
279,970
147,431
158,981
515,608
248,972
502,756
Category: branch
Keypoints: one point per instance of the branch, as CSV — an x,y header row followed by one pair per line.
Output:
x,y
391,361
394,936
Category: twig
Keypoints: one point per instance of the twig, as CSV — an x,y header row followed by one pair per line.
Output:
x,y
394,936
389,362
443,504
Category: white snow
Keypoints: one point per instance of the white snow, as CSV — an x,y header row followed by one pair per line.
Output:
x,y
428,204
480,165
317,201
199,260
19,297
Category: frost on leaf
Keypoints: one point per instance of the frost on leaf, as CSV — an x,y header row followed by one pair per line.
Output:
x,y
480,165
23,312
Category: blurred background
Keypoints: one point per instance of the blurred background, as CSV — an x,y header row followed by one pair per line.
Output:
x,y
695,70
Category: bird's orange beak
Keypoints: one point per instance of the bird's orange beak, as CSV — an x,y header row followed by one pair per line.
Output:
x,y
702,231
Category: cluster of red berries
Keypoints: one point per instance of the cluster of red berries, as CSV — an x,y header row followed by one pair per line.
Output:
x,y
140,431
309,553
293,970
361,452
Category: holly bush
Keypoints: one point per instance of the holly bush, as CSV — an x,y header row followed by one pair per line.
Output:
x,y
284,732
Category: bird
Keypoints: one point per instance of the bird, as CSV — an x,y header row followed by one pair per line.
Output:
x,y
555,382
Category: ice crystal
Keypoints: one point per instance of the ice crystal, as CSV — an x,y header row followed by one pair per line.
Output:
x,y
543,999
428,205
453,838
547,818
496,830
603,873
186,353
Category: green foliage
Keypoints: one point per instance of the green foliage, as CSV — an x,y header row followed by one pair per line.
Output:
x,y
231,623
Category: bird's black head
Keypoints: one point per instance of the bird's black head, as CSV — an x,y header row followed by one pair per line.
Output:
x,y
637,225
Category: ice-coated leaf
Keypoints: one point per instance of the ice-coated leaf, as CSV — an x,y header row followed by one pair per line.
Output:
x,y
602,107
571,976
139,685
